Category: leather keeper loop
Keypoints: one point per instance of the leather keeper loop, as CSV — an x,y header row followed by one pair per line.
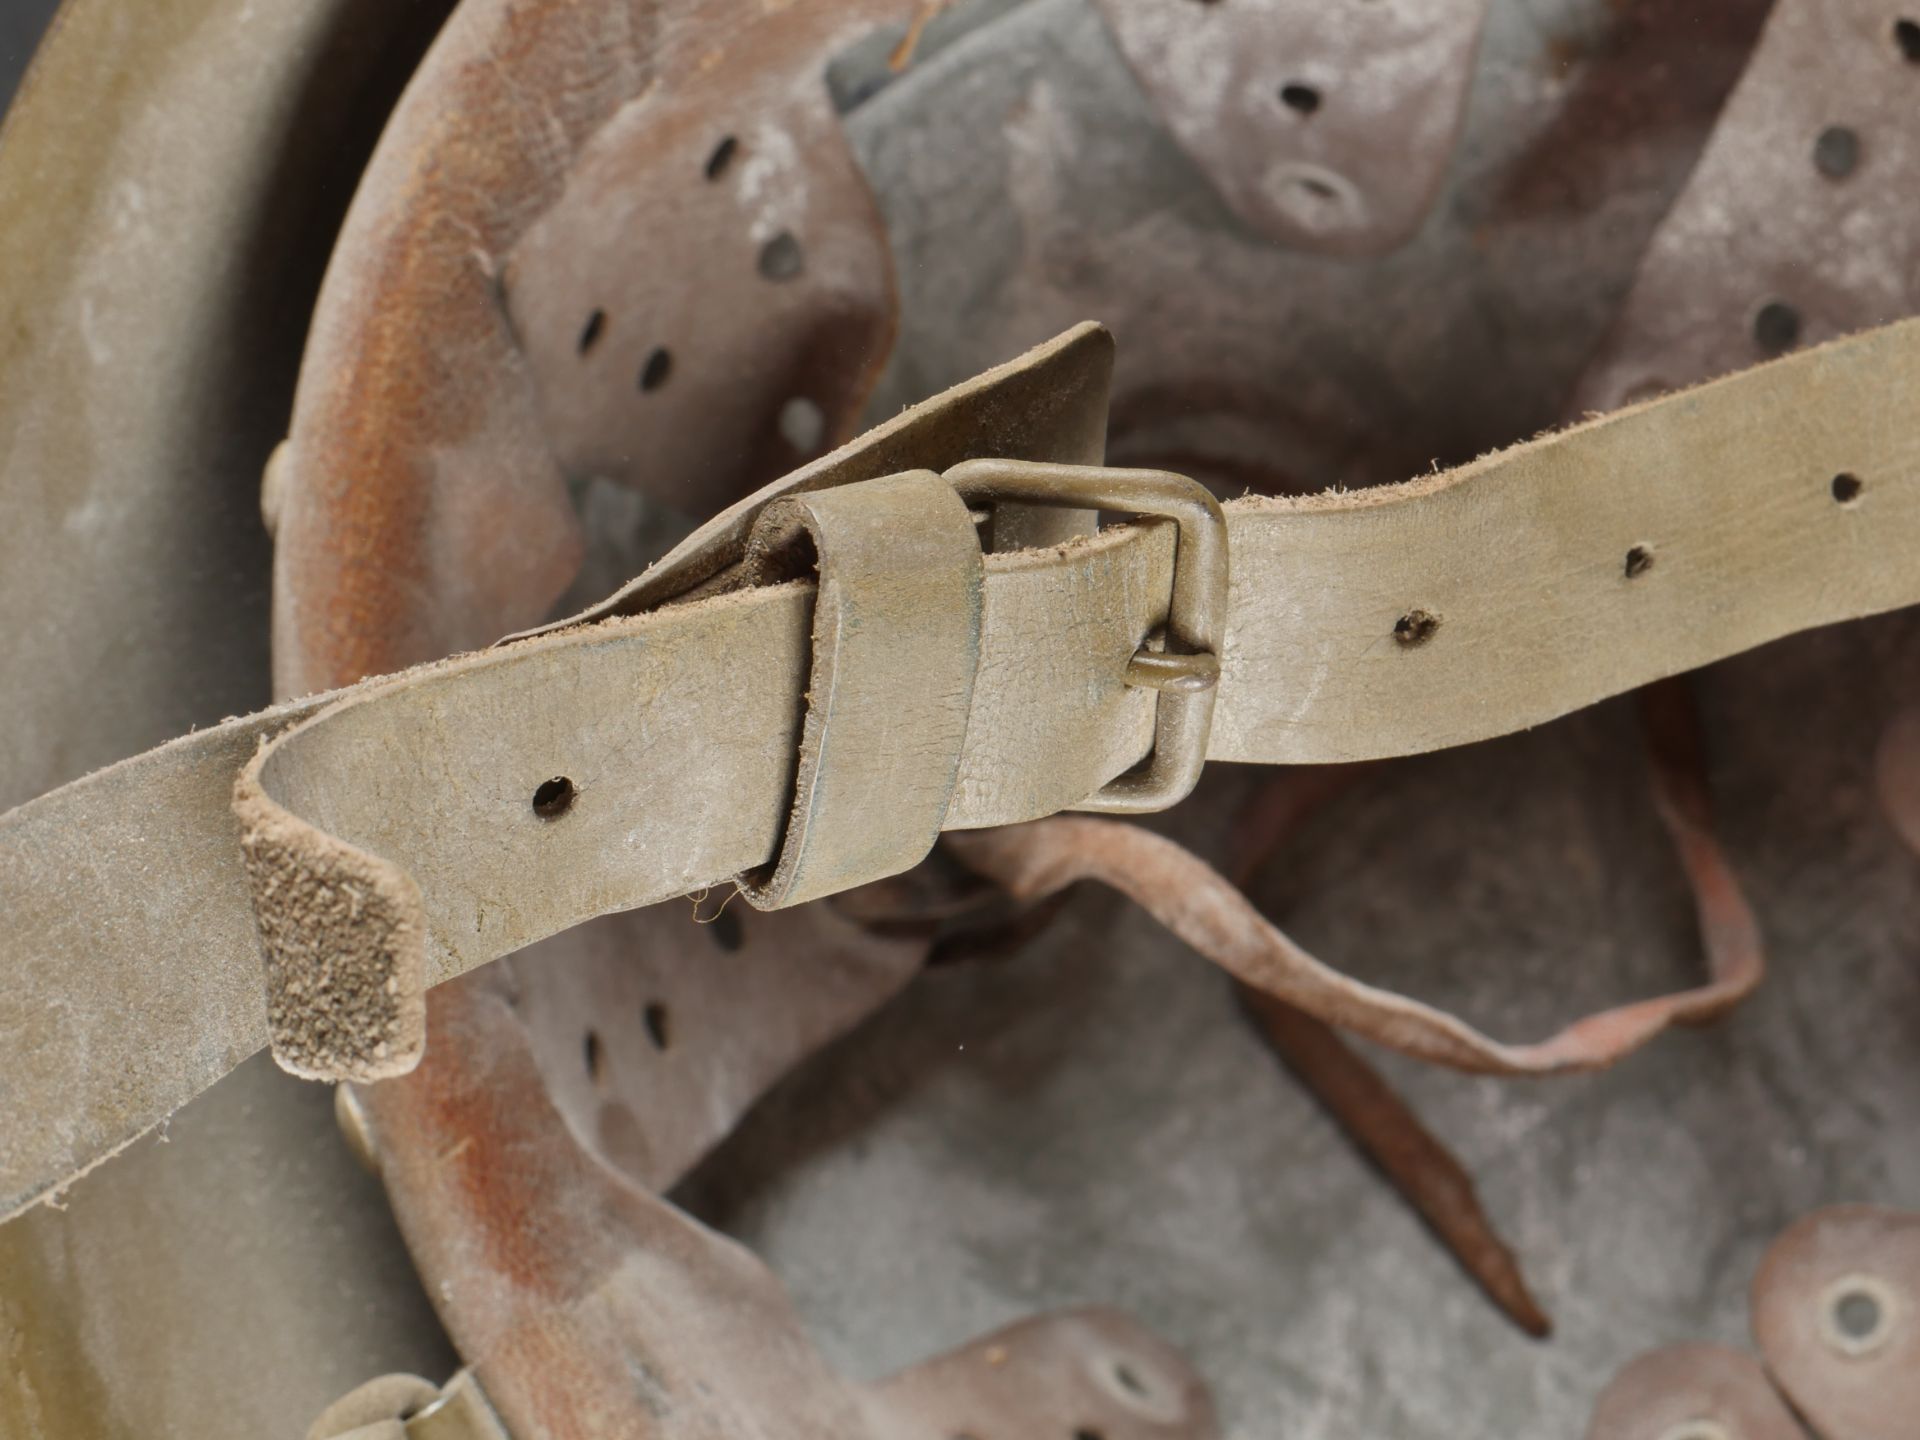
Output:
x,y
896,644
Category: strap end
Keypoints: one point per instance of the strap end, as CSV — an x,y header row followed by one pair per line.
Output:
x,y
343,936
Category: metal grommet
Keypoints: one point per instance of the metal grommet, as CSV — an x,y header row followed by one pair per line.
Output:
x,y
1139,1388
1857,1314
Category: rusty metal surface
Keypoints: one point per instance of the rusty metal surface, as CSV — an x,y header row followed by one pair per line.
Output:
x,y
645,1035
1326,127
590,1307
1836,1311
654,1032
713,266
512,308
1692,1392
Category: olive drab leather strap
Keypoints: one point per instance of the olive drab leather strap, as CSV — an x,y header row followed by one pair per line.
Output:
x,y
389,836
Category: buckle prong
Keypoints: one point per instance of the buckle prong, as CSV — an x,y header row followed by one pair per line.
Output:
x,y
1186,673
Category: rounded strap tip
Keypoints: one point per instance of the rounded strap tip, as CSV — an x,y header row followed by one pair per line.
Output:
x,y
343,934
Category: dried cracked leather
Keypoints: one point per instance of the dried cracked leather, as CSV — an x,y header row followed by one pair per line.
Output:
x,y
1378,623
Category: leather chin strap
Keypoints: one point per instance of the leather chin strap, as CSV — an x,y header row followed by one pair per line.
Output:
x,y
412,827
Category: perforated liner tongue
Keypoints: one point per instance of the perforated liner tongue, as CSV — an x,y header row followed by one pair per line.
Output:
x,y
590,1306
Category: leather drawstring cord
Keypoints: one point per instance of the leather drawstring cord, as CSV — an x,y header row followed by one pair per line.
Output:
x,y
1379,1121
1298,1000
1203,908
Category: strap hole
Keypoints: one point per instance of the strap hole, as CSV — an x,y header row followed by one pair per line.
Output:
x,y
553,798
1776,327
1087,1432
1857,1314
654,373
1129,1381
1846,488
1906,34
722,156
1302,99
1639,561
1836,154
592,1056
1416,627
590,332
656,1019
781,258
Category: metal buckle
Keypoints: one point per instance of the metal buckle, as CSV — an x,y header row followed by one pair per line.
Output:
x,y
1187,672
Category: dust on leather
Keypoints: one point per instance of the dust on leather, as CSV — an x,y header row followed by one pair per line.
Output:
x,y
343,951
